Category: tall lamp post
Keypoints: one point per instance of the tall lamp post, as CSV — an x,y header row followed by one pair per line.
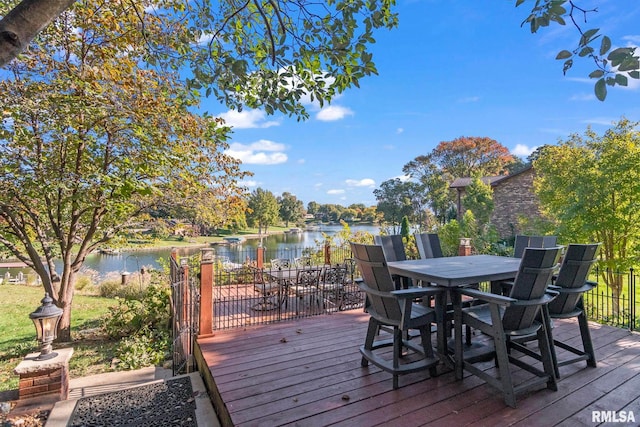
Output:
x,y
46,318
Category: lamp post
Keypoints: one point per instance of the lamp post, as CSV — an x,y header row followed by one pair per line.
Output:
x,y
46,318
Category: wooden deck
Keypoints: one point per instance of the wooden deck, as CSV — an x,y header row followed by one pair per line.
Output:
x,y
307,373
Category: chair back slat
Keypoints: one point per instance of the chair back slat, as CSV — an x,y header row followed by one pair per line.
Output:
x,y
573,273
392,247
523,242
372,264
428,245
534,274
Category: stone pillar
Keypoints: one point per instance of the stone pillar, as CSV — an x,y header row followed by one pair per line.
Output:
x,y
465,247
206,294
46,377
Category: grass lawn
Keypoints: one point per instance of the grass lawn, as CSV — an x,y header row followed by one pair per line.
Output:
x,y
92,354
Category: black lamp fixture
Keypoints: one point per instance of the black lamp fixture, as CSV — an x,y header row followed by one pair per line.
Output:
x,y
46,318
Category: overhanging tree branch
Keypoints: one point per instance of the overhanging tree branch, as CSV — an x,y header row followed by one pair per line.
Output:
x,y
24,22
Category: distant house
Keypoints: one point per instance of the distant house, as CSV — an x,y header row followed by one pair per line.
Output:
x,y
513,198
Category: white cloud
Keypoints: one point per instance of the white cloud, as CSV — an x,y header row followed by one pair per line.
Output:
x,y
248,183
522,150
399,131
335,191
604,121
301,161
247,119
263,152
333,113
469,99
366,182
403,178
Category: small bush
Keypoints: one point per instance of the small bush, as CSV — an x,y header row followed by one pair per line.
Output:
x,y
132,315
146,348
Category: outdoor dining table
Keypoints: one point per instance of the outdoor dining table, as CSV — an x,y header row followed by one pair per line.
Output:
x,y
451,273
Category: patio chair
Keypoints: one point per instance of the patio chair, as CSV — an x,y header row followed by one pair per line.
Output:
x,y
393,249
280,263
302,262
520,244
395,310
272,291
306,285
428,245
506,318
332,286
571,284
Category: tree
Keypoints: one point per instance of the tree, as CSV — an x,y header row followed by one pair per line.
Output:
x,y
589,185
89,140
478,199
272,54
291,209
263,209
396,200
262,34
313,207
460,158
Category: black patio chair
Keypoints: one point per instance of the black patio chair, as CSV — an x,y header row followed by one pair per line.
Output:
x,y
395,310
393,249
505,318
520,244
571,284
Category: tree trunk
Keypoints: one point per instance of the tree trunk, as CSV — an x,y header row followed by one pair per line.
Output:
x,y
24,22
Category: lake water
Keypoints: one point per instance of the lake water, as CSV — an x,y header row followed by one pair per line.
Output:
x,y
276,246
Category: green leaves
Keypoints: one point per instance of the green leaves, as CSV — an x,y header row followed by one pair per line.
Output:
x,y
612,67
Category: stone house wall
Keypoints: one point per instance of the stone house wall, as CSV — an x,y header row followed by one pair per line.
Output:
x,y
513,197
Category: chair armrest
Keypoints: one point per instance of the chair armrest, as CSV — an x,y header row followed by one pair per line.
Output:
x,y
584,288
486,296
545,299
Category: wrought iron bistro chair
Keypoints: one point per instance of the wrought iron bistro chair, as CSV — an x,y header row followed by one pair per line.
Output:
x,y
393,249
307,285
571,284
331,286
506,318
394,310
270,289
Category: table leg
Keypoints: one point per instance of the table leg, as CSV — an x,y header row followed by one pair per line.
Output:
x,y
456,301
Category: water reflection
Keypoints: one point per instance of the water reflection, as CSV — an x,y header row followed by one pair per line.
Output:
x,y
276,246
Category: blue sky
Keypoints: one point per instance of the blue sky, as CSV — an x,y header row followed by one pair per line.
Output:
x,y
453,68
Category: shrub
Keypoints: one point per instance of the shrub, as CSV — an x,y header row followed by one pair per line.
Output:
x,y
145,348
131,315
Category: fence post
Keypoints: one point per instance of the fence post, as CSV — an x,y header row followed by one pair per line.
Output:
x,y
327,253
260,257
205,328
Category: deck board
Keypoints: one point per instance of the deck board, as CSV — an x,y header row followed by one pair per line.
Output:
x,y
307,372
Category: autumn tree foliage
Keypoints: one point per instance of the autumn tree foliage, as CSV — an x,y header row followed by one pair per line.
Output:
x,y
90,139
461,158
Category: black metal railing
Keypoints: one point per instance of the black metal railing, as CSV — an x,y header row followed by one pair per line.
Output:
x,y
617,308
238,299
185,305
